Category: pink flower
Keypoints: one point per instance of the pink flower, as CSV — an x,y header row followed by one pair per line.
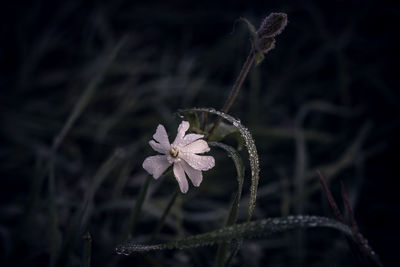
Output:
x,y
182,153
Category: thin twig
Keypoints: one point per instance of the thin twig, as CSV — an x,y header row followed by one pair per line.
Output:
x,y
349,209
330,198
367,256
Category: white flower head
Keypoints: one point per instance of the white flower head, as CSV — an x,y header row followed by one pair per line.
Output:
x,y
182,153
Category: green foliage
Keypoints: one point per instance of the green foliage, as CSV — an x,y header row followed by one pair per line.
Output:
x,y
251,149
89,83
232,217
259,228
223,131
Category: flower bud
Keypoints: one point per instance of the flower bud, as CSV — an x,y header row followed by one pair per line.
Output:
x,y
272,25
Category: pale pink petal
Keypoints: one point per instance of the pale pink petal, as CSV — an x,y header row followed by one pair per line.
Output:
x,y
201,163
199,146
158,147
189,138
161,136
156,165
194,175
183,127
181,177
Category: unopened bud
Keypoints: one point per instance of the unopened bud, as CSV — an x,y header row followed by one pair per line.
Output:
x,y
272,25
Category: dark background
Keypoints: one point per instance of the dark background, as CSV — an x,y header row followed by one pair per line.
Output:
x,y
334,73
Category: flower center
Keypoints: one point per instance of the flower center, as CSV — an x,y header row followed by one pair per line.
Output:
x,y
173,152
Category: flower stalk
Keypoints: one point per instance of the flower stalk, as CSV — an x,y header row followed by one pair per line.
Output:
x,y
262,41
235,90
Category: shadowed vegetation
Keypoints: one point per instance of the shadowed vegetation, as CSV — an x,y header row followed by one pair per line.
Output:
x,y
84,87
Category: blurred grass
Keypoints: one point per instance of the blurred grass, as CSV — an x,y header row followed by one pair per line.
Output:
x,y
323,99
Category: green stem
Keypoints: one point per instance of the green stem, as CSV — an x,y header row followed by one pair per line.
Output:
x,y
164,216
53,217
136,210
87,249
235,89
223,248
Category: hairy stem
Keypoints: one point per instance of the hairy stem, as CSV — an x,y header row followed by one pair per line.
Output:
x,y
235,89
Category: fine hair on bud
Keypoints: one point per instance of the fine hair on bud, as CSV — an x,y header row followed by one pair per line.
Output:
x,y
272,25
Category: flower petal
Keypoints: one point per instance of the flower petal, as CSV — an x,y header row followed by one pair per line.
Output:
x,y
181,177
201,163
161,136
156,165
199,146
158,147
194,175
183,127
189,138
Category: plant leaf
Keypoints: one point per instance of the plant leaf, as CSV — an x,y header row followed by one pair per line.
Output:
x,y
237,160
251,148
223,131
259,57
252,30
232,217
259,228
193,120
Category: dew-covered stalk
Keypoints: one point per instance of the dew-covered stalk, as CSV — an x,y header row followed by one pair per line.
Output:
x,y
251,149
253,229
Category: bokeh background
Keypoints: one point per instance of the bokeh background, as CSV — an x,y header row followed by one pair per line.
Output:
x,y
327,98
